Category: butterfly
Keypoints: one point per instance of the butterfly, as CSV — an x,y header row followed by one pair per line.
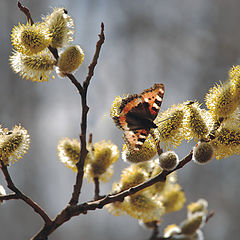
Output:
x,y
137,113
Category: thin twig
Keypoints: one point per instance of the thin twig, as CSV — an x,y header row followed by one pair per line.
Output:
x,y
26,11
9,197
209,216
83,92
23,197
155,231
95,57
97,188
76,83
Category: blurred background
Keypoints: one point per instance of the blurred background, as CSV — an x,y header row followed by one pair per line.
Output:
x,y
185,44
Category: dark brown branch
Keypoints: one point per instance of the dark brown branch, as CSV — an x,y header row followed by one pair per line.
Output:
x,y
155,231
85,108
75,210
97,189
26,11
54,52
9,197
76,83
120,196
93,64
23,197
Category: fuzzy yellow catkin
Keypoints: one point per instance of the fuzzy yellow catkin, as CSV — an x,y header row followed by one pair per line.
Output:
x,y
143,207
198,121
13,144
146,153
30,39
170,129
60,26
221,101
70,60
69,152
227,142
104,155
36,68
132,176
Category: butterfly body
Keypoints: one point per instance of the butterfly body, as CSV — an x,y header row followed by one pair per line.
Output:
x,y
137,113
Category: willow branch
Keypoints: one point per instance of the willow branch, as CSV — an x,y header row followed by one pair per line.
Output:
x,y
75,210
83,208
9,197
209,216
20,195
97,188
26,11
155,231
83,92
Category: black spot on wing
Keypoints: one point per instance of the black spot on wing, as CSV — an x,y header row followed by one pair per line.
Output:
x,y
127,100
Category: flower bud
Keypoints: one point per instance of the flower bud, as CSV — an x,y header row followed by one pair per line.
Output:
x,y
69,152
203,153
168,160
190,226
197,207
70,60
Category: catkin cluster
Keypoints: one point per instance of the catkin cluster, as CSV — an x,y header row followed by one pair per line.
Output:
x,y
13,144
216,129
150,204
191,227
34,44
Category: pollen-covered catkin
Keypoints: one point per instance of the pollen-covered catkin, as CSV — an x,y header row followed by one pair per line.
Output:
x,y
146,153
60,26
13,144
36,68
30,39
221,101
70,60
170,129
198,121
